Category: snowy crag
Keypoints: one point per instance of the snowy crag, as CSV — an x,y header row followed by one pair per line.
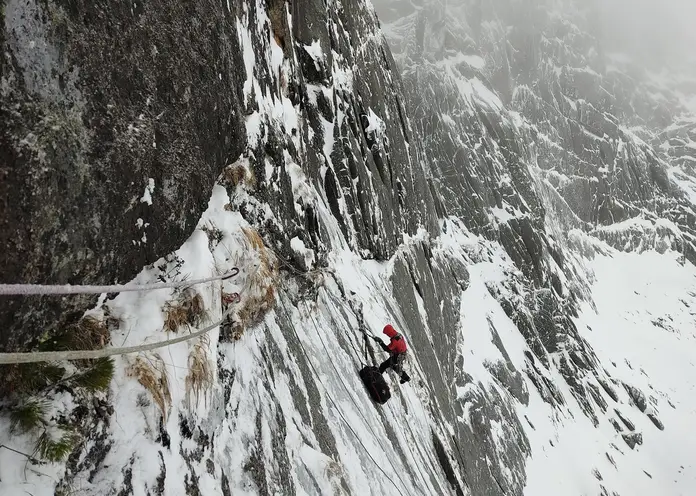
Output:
x,y
481,174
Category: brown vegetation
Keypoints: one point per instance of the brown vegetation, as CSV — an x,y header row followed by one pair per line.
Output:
x,y
152,375
188,309
258,295
238,174
200,376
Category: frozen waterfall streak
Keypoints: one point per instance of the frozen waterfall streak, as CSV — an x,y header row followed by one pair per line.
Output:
x,y
66,289
55,356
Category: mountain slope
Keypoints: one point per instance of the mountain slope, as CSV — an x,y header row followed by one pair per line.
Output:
x,y
486,194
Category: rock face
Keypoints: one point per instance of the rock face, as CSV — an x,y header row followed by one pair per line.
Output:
x,y
457,189
352,143
116,121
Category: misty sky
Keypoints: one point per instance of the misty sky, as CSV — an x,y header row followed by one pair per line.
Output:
x,y
654,30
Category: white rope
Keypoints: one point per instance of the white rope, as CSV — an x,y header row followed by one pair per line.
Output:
x,y
56,356
41,289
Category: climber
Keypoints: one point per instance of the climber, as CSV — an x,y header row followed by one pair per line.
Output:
x,y
397,352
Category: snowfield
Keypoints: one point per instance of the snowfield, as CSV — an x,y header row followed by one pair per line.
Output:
x,y
295,376
641,324
643,330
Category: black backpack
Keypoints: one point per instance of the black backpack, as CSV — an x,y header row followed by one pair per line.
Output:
x,y
375,384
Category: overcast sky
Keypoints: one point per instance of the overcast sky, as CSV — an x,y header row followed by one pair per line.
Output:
x,y
656,30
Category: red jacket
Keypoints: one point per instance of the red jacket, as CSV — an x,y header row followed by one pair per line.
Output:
x,y
397,344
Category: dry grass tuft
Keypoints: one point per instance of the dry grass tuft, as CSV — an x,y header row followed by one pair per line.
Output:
x,y
152,375
334,469
177,316
258,297
90,333
200,377
255,240
238,174
334,472
188,310
196,307
93,333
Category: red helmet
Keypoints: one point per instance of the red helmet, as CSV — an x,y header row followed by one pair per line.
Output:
x,y
389,331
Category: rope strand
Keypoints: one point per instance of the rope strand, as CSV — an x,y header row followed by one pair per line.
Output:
x,y
66,289
55,356
338,410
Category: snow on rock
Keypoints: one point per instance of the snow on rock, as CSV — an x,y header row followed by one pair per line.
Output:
x,y
149,190
315,51
540,305
642,320
306,254
375,125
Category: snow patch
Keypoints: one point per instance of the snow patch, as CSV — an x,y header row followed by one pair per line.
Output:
x,y
149,190
375,125
315,51
299,247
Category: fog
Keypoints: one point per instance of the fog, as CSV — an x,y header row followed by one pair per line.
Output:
x,y
656,32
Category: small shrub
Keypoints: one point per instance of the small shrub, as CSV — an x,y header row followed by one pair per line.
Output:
x,y
97,377
27,416
214,234
26,387
26,379
153,377
56,444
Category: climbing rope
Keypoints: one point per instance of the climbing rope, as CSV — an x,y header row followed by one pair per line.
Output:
x,y
348,390
361,326
54,356
66,289
357,310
